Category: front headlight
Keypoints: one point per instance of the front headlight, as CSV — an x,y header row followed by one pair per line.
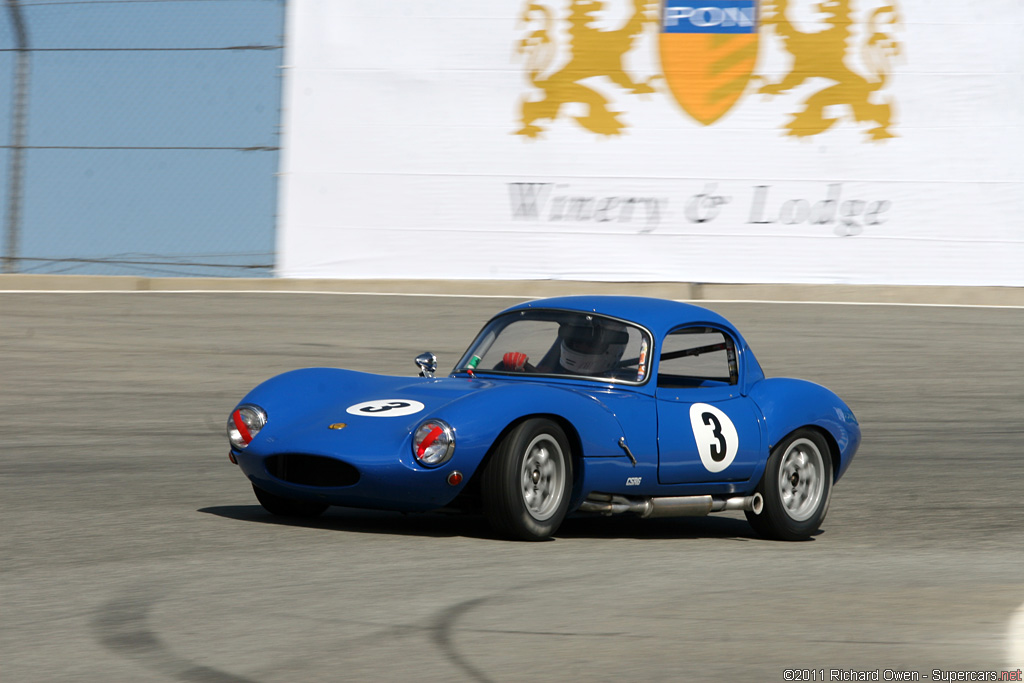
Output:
x,y
244,424
433,443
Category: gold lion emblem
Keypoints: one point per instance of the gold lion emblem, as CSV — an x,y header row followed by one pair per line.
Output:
x,y
824,55
594,52
856,92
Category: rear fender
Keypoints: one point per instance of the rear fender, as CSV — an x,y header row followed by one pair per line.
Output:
x,y
789,404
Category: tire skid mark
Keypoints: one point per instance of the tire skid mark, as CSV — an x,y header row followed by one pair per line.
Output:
x,y
443,630
444,626
121,625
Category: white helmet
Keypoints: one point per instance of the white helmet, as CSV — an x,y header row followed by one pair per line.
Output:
x,y
592,347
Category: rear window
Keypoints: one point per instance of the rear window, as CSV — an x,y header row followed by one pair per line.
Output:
x,y
697,357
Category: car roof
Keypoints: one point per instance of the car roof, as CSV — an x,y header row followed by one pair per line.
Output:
x,y
657,315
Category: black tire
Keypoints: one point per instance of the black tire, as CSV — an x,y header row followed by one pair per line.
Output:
x,y
796,486
287,507
527,483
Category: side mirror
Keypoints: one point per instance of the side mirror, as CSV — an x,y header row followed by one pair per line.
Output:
x,y
427,363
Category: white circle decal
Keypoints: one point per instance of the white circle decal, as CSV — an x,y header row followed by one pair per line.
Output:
x,y
716,437
386,407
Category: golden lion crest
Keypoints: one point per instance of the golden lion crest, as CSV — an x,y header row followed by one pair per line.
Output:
x,y
824,55
594,52
696,77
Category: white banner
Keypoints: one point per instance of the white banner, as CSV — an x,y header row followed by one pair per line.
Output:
x,y
857,141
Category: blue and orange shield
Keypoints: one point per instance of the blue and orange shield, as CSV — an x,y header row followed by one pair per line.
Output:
x,y
708,51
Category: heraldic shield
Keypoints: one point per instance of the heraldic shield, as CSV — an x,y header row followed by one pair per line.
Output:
x,y
708,52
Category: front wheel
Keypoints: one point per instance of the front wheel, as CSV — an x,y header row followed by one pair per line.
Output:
x,y
286,507
527,483
797,488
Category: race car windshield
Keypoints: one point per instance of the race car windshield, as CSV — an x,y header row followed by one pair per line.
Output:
x,y
560,343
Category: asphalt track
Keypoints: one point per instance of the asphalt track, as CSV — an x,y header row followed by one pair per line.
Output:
x,y
132,550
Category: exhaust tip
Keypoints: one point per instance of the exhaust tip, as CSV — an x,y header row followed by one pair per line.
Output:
x,y
757,503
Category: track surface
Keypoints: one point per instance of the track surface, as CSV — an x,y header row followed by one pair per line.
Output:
x,y
134,551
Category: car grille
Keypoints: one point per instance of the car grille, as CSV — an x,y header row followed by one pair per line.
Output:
x,y
311,470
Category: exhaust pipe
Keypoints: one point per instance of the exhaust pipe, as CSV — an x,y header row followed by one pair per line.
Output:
x,y
672,506
754,503
679,506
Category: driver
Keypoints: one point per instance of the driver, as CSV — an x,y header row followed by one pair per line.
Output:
x,y
585,347
592,347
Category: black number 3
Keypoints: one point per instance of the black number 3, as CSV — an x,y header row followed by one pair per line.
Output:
x,y
387,406
719,452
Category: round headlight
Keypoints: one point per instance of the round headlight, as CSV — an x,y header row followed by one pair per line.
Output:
x,y
244,424
433,443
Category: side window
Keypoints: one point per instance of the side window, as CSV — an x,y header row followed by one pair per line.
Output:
x,y
697,357
562,343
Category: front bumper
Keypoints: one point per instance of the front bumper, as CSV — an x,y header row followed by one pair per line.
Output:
x,y
351,482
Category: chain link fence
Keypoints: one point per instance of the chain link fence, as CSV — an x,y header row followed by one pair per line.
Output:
x,y
141,136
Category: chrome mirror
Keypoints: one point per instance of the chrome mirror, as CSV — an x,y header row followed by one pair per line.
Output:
x,y
427,363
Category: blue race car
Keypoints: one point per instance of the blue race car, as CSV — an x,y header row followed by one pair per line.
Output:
x,y
594,404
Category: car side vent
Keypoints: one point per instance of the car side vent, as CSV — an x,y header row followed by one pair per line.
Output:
x,y
311,470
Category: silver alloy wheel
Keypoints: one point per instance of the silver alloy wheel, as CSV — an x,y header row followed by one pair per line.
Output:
x,y
543,477
801,479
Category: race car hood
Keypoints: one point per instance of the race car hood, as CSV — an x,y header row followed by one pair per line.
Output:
x,y
361,416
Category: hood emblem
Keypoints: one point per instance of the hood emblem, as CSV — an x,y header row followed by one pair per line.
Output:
x,y
337,425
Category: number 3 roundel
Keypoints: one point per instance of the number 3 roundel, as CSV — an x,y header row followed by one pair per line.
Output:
x,y
715,434
386,407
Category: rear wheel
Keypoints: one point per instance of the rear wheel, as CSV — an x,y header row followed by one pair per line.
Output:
x,y
526,485
287,507
797,488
